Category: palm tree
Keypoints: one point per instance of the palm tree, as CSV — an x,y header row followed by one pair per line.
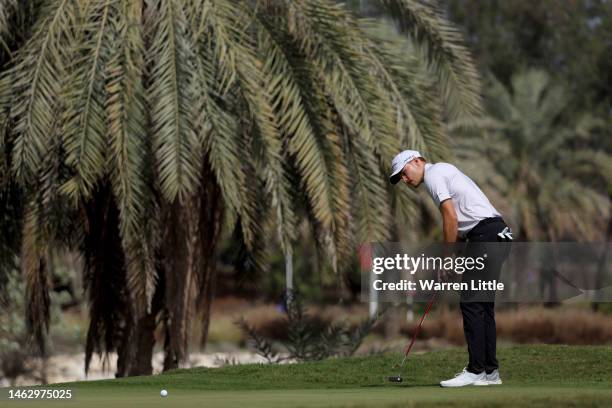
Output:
x,y
540,160
138,130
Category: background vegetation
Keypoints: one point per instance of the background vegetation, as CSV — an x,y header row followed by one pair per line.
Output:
x,y
156,156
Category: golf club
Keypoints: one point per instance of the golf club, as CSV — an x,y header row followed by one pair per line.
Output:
x,y
398,378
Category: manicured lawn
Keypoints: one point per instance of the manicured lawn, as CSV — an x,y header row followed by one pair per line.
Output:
x,y
534,376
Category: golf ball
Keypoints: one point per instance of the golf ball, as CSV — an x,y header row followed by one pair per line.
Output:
x,y
163,393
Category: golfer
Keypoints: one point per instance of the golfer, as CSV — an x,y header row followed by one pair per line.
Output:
x,y
467,215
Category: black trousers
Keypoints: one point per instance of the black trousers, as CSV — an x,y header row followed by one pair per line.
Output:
x,y
478,308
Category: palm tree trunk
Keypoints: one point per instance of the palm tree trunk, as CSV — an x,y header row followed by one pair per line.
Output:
x,y
211,220
177,274
207,298
192,232
288,277
143,342
136,354
110,325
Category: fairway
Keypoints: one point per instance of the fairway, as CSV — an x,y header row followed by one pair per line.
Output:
x,y
358,397
533,376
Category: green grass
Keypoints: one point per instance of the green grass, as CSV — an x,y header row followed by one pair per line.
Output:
x,y
534,376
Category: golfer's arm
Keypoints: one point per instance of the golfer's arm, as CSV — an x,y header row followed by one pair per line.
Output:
x,y
449,220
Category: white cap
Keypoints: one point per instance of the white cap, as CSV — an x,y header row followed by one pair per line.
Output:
x,y
398,163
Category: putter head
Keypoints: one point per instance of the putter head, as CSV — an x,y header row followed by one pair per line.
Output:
x,y
395,379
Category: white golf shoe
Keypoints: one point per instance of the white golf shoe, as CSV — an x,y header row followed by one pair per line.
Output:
x,y
464,378
490,379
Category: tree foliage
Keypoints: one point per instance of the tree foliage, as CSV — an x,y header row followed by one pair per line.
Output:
x,y
137,130
570,40
546,167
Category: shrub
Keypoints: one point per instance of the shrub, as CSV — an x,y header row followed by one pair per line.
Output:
x,y
308,338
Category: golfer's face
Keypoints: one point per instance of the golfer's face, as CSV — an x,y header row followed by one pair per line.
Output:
x,y
412,173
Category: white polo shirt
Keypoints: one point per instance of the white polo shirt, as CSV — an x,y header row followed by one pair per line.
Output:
x,y
444,181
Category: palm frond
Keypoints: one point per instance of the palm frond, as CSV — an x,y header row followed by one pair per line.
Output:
x,y
85,127
331,41
419,116
250,219
445,50
5,141
405,203
371,207
216,127
128,148
11,226
172,93
36,80
328,49
7,11
537,98
537,160
590,164
228,23
295,121
35,271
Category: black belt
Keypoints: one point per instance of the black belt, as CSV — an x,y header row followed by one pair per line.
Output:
x,y
484,222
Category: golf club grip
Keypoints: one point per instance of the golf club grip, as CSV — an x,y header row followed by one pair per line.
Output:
x,y
418,329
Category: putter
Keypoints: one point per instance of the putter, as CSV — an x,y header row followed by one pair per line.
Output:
x,y
399,378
